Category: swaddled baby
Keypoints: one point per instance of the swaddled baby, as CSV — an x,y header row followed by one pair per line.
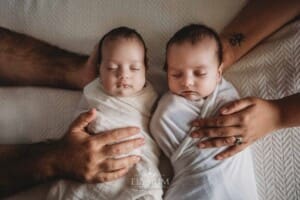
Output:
x,y
197,89
122,98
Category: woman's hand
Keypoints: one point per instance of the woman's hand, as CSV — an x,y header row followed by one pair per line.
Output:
x,y
249,118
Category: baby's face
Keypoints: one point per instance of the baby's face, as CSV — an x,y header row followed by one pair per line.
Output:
x,y
193,70
122,69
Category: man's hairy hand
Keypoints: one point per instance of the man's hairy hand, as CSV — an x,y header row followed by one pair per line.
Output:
x,y
90,158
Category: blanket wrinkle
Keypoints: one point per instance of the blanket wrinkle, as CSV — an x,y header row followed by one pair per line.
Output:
x,y
197,175
143,180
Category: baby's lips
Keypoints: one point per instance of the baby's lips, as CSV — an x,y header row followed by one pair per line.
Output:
x,y
123,84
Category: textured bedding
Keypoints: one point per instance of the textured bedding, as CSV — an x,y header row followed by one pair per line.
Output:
x,y
271,70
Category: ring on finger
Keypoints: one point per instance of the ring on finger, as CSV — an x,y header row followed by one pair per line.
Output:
x,y
238,140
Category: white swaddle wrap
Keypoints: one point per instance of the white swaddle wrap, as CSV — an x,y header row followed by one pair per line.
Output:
x,y
197,175
143,181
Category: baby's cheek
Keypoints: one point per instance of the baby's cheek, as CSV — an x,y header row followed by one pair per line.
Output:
x,y
139,82
208,87
108,86
174,89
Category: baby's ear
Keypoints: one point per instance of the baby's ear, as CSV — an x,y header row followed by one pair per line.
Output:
x,y
220,71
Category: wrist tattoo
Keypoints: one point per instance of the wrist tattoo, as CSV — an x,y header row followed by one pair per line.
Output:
x,y
236,39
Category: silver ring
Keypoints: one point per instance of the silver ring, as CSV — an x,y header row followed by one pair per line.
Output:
x,y
238,140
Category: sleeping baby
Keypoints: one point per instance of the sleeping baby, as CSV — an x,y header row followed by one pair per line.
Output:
x,y
122,98
197,90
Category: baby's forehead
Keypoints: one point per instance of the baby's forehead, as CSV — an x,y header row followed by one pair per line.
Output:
x,y
204,41
187,68
207,46
120,40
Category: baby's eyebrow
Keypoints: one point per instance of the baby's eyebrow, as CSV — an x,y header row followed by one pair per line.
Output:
x,y
109,61
137,61
174,67
200,67
174,70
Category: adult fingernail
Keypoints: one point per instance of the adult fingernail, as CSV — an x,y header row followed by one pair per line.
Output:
x,y
142,141
91,111
193,135
219,158
136,129
137,158
224,111
195,123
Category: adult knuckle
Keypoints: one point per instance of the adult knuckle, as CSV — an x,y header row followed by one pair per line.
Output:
x,y
246,118
88,168
115,150
115,135
241,119
105,166
218,143
88,160
220,122
104,178
83,118
219,133
107,149
210,133
229,140
244,131
130,161
88,177
214,142
109,165
206,133
91,145
133,144
246,139
80,117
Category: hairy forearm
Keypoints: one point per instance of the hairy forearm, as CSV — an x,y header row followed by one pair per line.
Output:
x,y
23,166
257,20
289,110
27,61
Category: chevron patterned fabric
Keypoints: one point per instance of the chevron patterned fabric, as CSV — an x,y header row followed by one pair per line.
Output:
x,y
271,71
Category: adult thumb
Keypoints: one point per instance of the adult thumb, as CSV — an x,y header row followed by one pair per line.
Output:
x,y
81,122
236,106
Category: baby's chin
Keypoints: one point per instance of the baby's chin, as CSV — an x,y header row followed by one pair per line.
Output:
x,y
123,93
191,96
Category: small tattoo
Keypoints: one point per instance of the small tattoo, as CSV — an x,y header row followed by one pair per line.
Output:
x,y
236,39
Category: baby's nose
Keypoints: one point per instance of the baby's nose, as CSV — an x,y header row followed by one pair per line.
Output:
x,y
187,82
123,74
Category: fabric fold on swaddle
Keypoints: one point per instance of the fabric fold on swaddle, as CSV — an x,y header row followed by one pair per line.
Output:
x,y
197,175
143,181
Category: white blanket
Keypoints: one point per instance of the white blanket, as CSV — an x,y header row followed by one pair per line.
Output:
x,y
144,180
197,175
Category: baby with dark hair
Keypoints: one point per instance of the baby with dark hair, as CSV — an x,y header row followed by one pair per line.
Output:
x,y
197,90
122,98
